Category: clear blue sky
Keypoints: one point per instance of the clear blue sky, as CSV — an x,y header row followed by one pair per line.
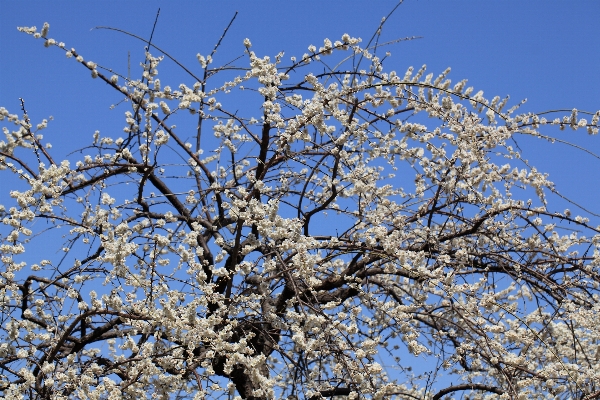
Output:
x,y
545,51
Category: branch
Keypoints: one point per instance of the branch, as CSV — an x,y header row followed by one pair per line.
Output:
x,y
467,386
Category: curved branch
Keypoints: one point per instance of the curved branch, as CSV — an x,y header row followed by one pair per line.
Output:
x,y
467,386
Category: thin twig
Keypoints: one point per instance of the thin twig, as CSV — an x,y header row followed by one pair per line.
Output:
x,y
378,31
223,35
152,45
153,28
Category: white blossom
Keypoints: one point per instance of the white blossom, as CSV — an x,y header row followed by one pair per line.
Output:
x,y
322,235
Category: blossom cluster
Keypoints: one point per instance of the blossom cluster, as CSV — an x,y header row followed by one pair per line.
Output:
x,y
319,244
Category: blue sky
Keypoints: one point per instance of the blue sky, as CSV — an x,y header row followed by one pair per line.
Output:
x,y
545,51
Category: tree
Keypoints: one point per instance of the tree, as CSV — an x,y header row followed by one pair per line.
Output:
x,y
282,254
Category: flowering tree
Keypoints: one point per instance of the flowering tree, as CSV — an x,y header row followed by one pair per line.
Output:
x,y
316,243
